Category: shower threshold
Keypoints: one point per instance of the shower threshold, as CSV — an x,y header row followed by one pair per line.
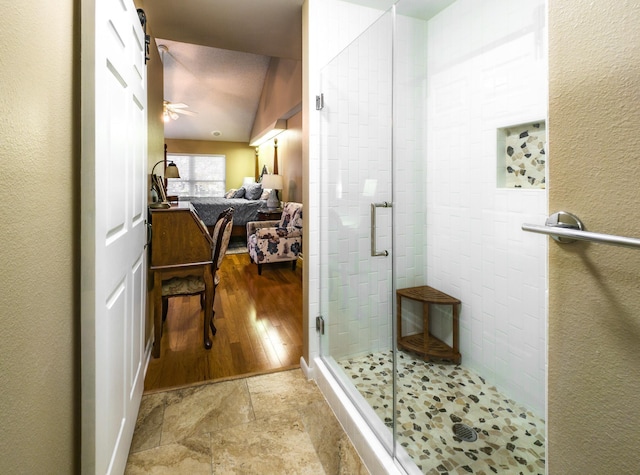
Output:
x,y
432,398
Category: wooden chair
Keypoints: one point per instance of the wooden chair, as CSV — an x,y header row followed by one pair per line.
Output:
x,y
194,285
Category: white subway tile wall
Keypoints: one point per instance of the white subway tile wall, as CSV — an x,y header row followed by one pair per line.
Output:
x,y
487,68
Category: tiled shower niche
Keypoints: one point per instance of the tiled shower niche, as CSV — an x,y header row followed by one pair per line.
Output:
x,y
522,156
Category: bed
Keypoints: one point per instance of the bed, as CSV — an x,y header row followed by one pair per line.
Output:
x,y
209,208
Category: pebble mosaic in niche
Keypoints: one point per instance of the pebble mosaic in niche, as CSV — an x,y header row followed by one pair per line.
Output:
x,y
525,156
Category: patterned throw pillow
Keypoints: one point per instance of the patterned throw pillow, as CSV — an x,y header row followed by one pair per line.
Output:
x,y
239,193
230,193
253,191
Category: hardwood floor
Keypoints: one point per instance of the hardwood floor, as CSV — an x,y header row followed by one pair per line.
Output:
x,y
259,322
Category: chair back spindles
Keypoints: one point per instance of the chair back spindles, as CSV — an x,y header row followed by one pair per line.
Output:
x,y
221,237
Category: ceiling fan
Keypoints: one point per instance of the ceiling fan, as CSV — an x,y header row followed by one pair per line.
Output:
x,y
171,110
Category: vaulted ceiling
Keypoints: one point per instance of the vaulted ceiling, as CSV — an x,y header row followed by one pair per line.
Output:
x,y
216,54
215,57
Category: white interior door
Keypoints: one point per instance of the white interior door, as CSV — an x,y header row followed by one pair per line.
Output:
x,y
114,137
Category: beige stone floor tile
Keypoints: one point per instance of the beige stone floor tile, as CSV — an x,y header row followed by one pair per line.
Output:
x,y
333,446
203,409
285,391
191,456
277,444
149,423
270,424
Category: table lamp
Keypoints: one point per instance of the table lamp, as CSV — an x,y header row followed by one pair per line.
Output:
x,y
157,187
275,183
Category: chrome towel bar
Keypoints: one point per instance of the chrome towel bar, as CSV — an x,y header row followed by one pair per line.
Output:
x,y
566,228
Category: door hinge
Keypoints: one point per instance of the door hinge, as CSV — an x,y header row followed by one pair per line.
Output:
x,y
320,102
142,16
320,325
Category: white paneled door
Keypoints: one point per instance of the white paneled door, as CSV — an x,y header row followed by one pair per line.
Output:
x,y
113,204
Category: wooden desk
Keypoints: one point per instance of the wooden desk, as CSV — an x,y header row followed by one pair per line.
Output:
x,y
180,246
425,343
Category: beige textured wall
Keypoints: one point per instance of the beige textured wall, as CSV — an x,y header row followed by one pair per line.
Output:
x,y
38,256
594,297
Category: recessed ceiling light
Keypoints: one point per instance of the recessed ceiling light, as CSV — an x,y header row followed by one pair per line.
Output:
x,y
216,133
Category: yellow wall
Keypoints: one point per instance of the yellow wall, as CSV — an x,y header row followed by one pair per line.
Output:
x,y
155,83
240,157
155,145
39,300
594,296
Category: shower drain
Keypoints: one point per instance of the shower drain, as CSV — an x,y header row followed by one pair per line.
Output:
x,y
464,433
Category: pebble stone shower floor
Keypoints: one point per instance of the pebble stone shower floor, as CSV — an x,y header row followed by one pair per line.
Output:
x,y
435,396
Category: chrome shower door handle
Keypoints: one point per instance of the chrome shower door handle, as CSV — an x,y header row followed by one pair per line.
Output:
x,y
374,251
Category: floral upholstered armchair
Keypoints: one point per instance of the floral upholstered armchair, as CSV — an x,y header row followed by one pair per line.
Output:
x,y
276,241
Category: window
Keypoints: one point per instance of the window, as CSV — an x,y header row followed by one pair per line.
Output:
x,y
200,175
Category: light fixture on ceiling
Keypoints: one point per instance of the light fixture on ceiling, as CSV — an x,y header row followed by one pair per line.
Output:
x,y
171,110
270,132
167,115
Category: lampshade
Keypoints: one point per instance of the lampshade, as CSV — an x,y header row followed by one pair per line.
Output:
x,y
272,182
171,171
158,192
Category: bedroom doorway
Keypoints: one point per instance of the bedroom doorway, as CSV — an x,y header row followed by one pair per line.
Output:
x,y
263,314
259,322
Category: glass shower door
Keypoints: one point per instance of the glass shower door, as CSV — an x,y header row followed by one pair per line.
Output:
x,y
356,223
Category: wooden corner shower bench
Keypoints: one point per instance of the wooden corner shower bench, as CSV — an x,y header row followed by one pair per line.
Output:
x,y
425,343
